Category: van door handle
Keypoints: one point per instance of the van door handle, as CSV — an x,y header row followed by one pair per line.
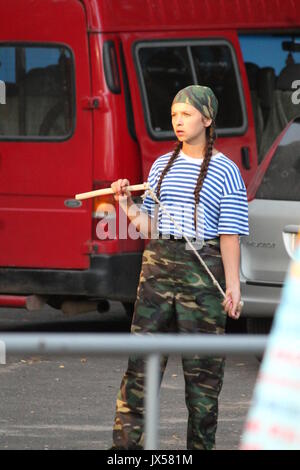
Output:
x,y
89,103
246,157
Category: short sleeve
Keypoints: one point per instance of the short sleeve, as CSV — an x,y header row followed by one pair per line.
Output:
x,y
234,213
148,203
233,218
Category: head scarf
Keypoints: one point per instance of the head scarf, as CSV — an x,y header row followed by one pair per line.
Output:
x,y
201,97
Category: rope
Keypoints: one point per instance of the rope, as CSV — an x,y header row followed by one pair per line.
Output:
x,y
214,280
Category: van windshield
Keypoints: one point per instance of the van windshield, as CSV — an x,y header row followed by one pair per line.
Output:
x,y
272,63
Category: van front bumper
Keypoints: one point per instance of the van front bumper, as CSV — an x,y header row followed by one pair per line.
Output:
x,y
113,277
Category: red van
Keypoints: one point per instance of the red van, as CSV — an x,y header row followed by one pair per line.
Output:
x,y
88,90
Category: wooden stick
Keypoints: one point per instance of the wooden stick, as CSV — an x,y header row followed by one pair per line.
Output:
x,y
104,191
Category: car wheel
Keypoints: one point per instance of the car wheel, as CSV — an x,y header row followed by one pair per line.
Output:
x,y
259,326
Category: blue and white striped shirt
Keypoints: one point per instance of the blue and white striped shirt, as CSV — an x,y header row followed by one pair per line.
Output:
x,y
223,206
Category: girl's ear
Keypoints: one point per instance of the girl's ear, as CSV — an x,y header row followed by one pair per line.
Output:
x,y
207,121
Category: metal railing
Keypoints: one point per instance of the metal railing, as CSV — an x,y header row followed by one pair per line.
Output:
x,y
151,346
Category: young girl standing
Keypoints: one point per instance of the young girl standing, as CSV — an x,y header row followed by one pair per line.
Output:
x,y
175,293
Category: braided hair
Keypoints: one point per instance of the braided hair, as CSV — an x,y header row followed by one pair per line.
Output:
x,y
168,166
210,139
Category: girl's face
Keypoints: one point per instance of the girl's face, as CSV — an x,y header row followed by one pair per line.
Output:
x,y
188,123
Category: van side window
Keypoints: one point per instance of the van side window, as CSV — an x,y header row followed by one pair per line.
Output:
x,y
39,92
165,69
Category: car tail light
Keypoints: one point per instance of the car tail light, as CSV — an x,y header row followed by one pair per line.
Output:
x,y
104,216
290,235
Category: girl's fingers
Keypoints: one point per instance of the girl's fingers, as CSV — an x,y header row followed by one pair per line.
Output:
x,y
119,188
231,305
227,303
235,314
235,311
114,187
227,299
123,184
227,306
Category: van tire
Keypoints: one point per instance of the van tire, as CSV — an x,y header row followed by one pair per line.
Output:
x,y
103,306
129,309
259,326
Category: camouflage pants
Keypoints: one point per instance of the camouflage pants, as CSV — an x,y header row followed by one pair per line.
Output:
x,y
175,294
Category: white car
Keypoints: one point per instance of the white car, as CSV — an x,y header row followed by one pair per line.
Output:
x,y
274,219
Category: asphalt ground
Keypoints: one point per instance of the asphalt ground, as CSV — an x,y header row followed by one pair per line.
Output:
x,y
51,402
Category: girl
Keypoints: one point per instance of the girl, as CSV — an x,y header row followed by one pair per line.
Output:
x,y
175,292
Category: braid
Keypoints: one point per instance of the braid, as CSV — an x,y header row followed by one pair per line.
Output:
x,y
210,139
168,166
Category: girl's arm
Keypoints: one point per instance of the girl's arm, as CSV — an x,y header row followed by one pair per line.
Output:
x,y
138,218
230,251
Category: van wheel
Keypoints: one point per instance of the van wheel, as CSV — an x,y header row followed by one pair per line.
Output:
x,y
55,301
103,306
129,309
259,326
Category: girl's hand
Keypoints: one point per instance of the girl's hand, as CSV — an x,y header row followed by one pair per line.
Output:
x,y
119,189
231,302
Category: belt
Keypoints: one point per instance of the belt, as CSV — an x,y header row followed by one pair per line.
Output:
x,y
169,236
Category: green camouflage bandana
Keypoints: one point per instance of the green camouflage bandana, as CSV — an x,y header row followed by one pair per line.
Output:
x,y
201,97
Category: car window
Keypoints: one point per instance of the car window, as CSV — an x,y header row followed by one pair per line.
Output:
x,y
272,64
281,180
39,92
165,69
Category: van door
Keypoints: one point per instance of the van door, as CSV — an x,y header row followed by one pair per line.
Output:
x,y
45,135
160,67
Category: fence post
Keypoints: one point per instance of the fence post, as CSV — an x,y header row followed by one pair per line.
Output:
x,y
2,352
2,92
152,401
